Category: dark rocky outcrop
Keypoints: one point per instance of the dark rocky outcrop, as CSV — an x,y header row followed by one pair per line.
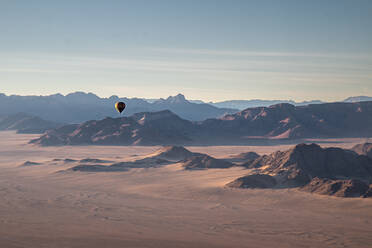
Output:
x,y
341,188
204,161
261,181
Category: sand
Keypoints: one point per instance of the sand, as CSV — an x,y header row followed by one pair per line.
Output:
x,y
162,207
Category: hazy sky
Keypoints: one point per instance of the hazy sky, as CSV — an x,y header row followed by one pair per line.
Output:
x,y
209,50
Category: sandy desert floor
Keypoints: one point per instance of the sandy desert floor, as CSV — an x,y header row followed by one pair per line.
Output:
x,y
162,207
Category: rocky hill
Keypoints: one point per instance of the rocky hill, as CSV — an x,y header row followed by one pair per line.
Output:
x,y
140,129
316,169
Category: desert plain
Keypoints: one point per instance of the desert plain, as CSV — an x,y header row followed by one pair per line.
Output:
x,y
45,205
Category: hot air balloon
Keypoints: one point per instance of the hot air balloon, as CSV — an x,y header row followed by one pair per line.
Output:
x,y
120,106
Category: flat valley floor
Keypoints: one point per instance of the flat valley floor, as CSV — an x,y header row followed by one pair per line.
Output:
x,y
42,206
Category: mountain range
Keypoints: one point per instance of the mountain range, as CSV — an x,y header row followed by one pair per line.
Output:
x,y
243,104
79,107
277,122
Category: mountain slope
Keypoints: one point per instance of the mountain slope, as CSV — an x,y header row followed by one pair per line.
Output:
x,y
25,123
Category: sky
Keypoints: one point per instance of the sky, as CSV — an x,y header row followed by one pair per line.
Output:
x,y
208,50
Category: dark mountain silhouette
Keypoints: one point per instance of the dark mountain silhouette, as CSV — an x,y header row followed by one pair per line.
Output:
x,y
363,149
24,123
79,107
278,122
332,171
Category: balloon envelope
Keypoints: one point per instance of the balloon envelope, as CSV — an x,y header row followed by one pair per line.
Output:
x,y
120,106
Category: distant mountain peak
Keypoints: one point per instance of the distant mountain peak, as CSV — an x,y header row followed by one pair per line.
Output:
x,y
358,99
177,99
81,94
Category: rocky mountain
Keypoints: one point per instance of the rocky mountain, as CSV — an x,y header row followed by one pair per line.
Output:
x,y
24,123
299,165
79,107
363,149
332,171
278,122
